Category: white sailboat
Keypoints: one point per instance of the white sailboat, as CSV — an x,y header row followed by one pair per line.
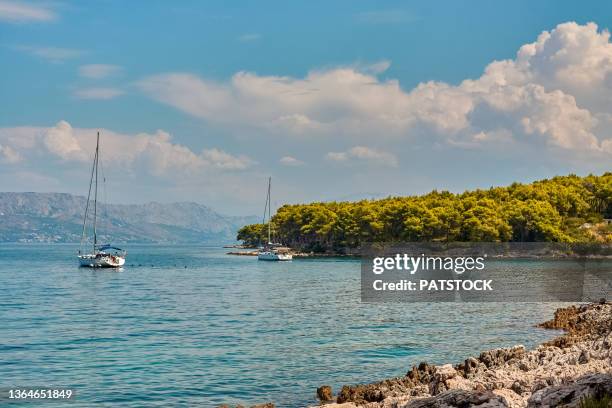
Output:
x,y
101,256
271,251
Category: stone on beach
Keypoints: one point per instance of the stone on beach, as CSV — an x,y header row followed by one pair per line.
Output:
x,y
324,393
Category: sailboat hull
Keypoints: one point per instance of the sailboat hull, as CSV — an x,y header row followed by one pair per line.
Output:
x,y
273,256
101,261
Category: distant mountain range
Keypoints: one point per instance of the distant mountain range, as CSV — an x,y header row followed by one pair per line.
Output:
x,y
58,217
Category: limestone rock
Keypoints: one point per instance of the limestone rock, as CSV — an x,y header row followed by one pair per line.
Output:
x,y
569,395
460,398
324,393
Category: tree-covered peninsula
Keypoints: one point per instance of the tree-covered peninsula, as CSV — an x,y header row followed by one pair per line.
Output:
x,y
561,209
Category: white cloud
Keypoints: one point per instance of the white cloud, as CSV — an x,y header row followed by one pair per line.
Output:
x,y
98,93
323,101
52,54
22,12
98,71
223,160
290,161
364,154
337,156
555,94
156,152
9,155
378,67
61,142
249,37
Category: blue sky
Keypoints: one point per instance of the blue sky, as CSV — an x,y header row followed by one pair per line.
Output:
x,y
332,99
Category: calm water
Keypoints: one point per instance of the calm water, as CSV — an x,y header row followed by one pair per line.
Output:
x,y
191,326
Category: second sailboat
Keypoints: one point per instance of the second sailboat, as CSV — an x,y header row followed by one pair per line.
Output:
x,y
271,251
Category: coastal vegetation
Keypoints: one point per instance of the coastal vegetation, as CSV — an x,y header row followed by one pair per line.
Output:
x,y
561,209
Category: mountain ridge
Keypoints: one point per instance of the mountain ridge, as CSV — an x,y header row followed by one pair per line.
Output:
x,y
58,217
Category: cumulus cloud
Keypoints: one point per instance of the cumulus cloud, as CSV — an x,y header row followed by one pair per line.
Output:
x,y
21,12
9,155
323,101
155,152
219,158
98,71
364,154
290,161
98,93
554,94
61,141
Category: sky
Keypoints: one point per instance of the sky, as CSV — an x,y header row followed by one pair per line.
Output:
x,y
341,100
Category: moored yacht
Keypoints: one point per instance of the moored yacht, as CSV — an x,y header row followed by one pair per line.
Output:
x,y
271,251
273,255
101,256
104,256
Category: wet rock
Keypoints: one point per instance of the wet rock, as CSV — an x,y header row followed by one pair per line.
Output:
x,y
266,405
344,395
423,373
324,393
564,318
498,357
413,374
360,394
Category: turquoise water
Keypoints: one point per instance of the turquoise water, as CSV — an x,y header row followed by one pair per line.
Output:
x,y
191,326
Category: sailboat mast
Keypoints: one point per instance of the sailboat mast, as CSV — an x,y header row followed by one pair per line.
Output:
x,y
95,237
269,210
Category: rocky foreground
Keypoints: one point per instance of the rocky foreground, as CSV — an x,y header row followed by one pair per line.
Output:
x,y
563,372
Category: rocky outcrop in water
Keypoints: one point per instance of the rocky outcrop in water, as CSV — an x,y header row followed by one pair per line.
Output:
x,y
559,373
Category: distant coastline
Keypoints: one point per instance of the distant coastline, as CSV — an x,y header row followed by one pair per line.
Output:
x,y
58,217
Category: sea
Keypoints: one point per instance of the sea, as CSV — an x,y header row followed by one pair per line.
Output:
x,y
189,325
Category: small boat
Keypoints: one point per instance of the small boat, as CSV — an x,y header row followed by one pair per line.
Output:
x,y
101,256
271,251
273,255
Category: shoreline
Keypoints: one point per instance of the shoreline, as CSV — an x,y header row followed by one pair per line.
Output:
x,y
297,254
564,370
561,372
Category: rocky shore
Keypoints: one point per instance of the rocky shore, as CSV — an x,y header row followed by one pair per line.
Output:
x,y
296,254
564,372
